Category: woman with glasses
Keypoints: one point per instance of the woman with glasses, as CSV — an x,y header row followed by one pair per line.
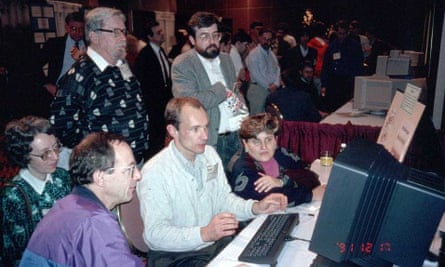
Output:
x,y
31,144
264,168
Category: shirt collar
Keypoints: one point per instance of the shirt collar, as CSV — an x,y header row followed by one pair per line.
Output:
x,y
101,63
187,163
71,42
155,47
37,184
85,192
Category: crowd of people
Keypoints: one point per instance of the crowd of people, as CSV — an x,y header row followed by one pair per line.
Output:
x,y
185,130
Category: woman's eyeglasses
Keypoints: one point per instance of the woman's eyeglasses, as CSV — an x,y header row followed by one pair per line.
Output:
x,y
55,148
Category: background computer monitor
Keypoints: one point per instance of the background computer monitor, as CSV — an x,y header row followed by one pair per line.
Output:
x,y
398,66
372,93
376,211
375,93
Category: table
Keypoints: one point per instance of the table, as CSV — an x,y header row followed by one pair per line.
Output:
x,y
296,251
347,114
293,251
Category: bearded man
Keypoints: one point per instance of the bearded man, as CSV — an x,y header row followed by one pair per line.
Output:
x,y
205,74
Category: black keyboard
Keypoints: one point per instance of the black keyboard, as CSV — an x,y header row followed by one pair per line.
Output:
x,y
266,244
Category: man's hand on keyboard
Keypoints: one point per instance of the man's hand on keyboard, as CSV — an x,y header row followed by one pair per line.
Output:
x,y
270,203
222,225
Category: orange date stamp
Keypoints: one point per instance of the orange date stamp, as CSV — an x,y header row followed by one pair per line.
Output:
x,y
365,247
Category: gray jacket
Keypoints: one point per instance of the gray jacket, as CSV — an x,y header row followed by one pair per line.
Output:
x,y
190,79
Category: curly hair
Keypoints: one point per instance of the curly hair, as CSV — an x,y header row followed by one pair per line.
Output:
x,y
94,152
19,134
258,123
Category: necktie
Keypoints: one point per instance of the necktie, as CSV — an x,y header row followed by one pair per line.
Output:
x,y
165,69
76,44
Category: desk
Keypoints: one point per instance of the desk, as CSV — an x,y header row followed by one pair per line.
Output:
x,y
347,114
293,251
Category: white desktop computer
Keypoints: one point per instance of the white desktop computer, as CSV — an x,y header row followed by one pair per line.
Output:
x,y
398,66
375,93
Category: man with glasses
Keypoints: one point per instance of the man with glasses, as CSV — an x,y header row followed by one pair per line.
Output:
x,y
80,230
210,77
100,93
61,52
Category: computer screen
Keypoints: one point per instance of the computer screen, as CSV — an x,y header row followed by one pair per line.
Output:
x,y
376,211
372,93
375,93
398,66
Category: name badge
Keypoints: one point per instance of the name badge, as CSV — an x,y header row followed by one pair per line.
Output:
x,y
212,171
336,56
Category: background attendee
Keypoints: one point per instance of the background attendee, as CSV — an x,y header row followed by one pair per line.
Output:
x,y
187,205
31,144
319,42
378,48
264,72
305,81
264,168
132,49
152,69
225,44
100,93
239,52
207,75
293,103
300,53
355,31
283,29
181,37
280,44
80,230
254,31
342,62
61,52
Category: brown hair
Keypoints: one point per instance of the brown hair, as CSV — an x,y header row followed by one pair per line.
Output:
x,y
174,107
258,123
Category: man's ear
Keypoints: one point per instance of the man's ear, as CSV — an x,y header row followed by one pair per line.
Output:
x,y
192,40
98,177
93,37
172,131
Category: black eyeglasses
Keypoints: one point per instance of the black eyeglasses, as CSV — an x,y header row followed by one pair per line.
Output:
x,y
116,31
55,148
129,169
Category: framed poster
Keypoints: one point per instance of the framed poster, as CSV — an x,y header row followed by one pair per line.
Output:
x,y
43,22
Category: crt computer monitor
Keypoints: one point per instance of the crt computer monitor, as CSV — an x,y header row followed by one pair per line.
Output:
x,y
376,211
375,93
